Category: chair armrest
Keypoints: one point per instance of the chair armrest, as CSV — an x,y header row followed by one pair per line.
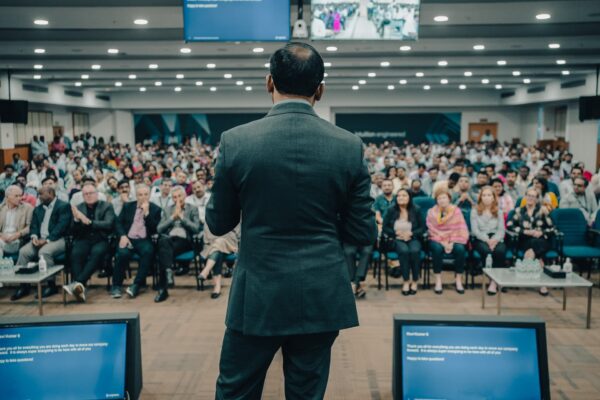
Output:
x,y
594,231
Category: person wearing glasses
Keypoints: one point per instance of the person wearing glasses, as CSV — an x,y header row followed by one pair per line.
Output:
x,y
582,199
93,222
123,197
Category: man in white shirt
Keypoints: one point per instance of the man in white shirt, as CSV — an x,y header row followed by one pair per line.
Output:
x,y
162,198
37,175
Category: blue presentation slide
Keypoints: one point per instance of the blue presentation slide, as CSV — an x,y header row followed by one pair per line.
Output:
x,y
63,362
462,363
236,20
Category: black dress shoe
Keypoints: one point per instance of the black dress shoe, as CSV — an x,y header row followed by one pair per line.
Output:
x,y
412,292
215,295
546,293
133,290
406,293
48,291
161,296
182,271
436,291
490,293
103,274
460,291
20,293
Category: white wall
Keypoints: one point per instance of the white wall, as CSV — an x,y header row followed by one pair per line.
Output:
x,y
583,137
124,130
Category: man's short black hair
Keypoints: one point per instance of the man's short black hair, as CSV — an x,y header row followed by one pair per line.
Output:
x,y
297,69
9,166
49,178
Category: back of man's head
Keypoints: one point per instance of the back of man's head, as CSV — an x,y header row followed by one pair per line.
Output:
x,y
297,69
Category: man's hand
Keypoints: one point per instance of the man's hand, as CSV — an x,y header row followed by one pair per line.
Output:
x,y
177,213
492,243
146,208
124,242
537,234
76,213
39,242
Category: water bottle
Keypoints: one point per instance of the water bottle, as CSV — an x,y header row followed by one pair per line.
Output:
x,y
488,261
568,266
42,265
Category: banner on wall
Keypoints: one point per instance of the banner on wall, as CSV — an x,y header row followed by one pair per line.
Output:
x,y
177,128
414,127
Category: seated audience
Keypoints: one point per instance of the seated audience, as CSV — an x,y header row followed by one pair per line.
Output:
x,y
512,188
162,198
78,198
123,197
415,189
383,202
463,197
448,234
504,200
404,223
582,199
214,252
15,219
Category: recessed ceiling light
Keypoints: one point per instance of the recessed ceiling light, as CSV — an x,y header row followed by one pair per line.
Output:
x,y
405,48
38,66
118,84
132,76
199,83
211,66
227,76
479,47
112,51
185,50
403,81
258,50
239,83
485,81
391,87
419,74
385,64
426,87
325,75
462,87
501,62
362,82
78,84
85,76
543,16
177,89
554,45
248,88
141,21
267,65
142,89
39,51
371,74
468,73
213,89
158,83
331,48
498,87
561,62
444,81
566,72
516,73
179,76
37,77
96,66
527,81
153,66
440,18
41,22
355,87
443,63
327,65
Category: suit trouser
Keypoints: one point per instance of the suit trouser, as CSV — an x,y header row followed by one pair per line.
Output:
x,y
86,257
49,251
245,360
169,247
145,251
357,273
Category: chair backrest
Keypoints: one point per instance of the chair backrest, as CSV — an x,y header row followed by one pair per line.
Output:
x,y
572,223
424,204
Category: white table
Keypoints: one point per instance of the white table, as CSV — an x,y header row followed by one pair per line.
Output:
x,y
507,277
37,278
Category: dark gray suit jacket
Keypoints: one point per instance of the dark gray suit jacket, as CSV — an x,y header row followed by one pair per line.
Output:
x,y
302,187
102,225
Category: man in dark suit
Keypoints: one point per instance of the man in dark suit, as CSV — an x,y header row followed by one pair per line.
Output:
x,y
93,222
135,226
50,224
291,288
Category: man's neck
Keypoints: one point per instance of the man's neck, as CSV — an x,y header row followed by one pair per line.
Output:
x,y
11,206
388,196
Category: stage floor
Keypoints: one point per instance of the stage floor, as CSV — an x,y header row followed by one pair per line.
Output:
x,y
181,338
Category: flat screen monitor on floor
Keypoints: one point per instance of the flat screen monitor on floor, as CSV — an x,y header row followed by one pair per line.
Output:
x,y
365,19
494,358
65,359
236,20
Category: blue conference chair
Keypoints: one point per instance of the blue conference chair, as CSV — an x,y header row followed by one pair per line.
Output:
x,y
513,251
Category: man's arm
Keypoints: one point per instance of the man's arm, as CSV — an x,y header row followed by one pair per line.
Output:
x,y
223,209
108,219
358,220
63,224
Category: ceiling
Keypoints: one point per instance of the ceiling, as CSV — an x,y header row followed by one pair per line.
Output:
x,y
80,32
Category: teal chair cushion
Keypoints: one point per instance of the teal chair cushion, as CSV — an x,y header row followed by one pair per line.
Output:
x,y
581,252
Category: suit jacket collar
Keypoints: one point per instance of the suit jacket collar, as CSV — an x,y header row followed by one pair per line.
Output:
x,y
293,107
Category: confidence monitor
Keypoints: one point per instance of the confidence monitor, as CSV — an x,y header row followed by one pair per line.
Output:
x,y
71,357
236,20
365,19
469,357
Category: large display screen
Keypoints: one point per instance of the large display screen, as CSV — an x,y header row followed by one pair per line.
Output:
x,y
63,362
365,19
470,362
236,20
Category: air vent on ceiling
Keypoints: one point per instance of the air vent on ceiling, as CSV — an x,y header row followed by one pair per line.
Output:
x,y
507,94
103,97
572,84
35,88
536,89
73,93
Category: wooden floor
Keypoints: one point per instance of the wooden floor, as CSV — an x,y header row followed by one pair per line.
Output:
x,y
181,338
